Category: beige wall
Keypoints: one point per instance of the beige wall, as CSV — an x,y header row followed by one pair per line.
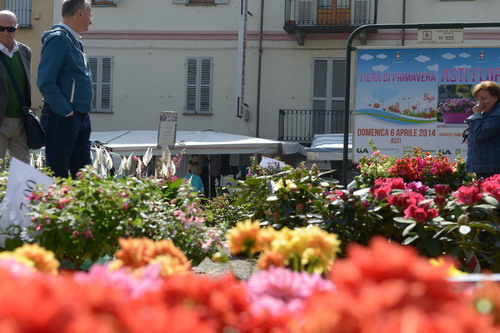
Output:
x,y
41,20
149,45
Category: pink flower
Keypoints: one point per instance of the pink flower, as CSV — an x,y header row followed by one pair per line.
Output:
x,y
338,194
279,290
468,195
88,233
403,200
134,285
418,187
440,201
442,189
382,192
420,213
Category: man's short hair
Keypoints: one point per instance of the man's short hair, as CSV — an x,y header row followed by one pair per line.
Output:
x,y
69,7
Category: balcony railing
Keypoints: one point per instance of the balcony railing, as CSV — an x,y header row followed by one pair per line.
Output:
x,y
301,125
328,16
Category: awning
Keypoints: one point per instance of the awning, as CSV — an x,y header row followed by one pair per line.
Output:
x,y
194,142
328,147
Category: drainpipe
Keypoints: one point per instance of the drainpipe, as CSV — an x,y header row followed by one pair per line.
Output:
x,y
403,20
259,70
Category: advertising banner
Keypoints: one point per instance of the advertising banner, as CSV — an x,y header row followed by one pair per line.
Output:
x,y
418,97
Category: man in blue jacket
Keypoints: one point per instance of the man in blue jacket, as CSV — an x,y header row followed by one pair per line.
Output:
x,y
65,81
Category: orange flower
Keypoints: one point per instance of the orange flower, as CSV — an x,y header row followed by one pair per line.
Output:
x,y
244,238
389,288
136,253
220,302
487,300
43,260
270,258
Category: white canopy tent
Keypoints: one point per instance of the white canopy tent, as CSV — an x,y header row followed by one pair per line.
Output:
x,y
328,147
194,142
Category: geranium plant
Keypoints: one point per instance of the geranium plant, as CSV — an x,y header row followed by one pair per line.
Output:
x,y
456,105
83,218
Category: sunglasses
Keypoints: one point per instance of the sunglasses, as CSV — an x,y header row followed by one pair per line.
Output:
x,y
9,29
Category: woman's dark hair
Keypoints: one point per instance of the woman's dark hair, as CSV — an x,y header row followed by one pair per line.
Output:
x,y
69,7
492,87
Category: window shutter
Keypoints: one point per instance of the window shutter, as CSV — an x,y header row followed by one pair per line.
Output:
x,y
199,85
22,9
338,78
191,85
94,68
206,85
305,11
102,83
106,84
360,14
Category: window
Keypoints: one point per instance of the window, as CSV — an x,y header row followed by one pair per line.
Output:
x,y
199,85
201,2
325,4
328,94
102,82
22,9
105,3
341,4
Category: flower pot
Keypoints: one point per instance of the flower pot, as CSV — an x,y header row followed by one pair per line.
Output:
x,y
455,118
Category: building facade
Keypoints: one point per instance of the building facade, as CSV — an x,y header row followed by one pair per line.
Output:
x,y
289,83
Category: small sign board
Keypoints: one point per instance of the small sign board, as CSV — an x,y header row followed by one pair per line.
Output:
x,y
168,128
439,36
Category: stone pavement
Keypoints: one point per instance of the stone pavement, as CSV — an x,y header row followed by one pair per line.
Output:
x,y
242,268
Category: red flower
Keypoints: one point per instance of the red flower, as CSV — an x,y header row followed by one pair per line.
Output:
x,y
389,288
382,192
420,213
442,189
440,201
402,200
468,195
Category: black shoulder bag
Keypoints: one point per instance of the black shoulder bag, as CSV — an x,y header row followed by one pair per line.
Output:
x,y
34,131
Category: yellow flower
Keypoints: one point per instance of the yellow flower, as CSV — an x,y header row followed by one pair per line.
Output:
x,y
243,238
312,249
19,258
266,237
43,260
269,259
278,185
287,184
452,270
171,265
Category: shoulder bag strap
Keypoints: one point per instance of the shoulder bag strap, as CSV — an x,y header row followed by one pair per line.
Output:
x,y
14,83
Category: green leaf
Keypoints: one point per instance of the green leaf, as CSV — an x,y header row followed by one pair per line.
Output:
x,y
410,240
404,220
12,243
408,229
490,200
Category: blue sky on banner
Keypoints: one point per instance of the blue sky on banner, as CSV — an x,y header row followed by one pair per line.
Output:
x,y
412,75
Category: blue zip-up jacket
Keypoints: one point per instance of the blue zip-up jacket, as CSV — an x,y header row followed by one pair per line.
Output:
x,y
64,76
483,142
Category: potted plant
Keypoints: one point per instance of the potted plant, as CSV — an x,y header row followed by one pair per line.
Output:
x,y
456,110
